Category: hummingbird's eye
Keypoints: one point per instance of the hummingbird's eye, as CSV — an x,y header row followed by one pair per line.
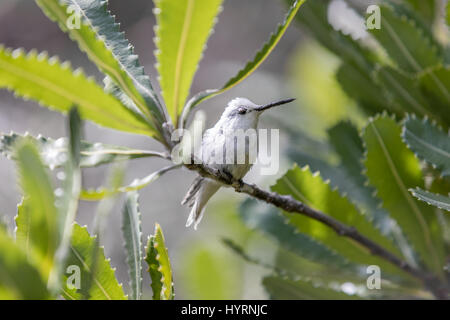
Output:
x,y
242,110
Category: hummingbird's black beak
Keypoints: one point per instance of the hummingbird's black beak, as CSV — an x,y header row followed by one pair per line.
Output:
x,y
273,104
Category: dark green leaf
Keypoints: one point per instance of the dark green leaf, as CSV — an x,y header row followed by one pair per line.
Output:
x,y
132,233
428,142
392,169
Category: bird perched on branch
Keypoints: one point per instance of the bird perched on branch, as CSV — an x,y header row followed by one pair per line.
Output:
x,y
230,147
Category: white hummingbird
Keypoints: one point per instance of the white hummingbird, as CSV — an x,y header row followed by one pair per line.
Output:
x,y
240,114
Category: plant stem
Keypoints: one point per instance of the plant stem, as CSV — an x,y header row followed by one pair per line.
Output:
x,y
289,204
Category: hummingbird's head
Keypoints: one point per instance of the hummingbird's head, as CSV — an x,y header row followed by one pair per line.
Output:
x,y
242,108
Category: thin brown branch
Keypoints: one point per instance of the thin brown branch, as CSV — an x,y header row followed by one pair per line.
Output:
x,y
289,204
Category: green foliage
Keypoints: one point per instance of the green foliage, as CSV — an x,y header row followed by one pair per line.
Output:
x,y
437,200
54,152
428,142
251,66
99,38
181,35
286,289
157,258
105,285
392,169
18,278
132,234
35,76
404,41
310,189
37,219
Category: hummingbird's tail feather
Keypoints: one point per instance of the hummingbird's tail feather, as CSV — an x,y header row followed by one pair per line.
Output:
x,y
206,189
193,189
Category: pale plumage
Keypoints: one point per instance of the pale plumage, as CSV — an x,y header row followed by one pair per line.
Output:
x,y
240,115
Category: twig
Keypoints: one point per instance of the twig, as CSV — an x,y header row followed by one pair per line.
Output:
x,y
289,204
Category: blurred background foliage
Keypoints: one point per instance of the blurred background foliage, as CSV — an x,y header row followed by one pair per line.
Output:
x,y
314,62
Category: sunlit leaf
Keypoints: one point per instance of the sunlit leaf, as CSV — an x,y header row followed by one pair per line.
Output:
x,y
105,285
37,220
54,152
99,37
157,258
181,36
137,184
36,77
251,66
18,278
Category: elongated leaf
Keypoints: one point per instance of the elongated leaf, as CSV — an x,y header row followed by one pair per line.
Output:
x,y
268,220
181,35
309,188
428,142
54,152
286,289
18,278
56,86
392,169
105,285
99,37
403,90
137,184
435,83
159,268
68,203
363,89
426,9
132,233
405,42
315,18
37,220
251,66
433,199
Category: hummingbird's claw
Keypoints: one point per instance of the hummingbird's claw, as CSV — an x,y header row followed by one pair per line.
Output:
x,y
226,175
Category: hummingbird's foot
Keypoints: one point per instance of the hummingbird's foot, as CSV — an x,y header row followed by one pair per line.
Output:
x,y
226,175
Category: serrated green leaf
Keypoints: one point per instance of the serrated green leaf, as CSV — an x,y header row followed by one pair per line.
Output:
x,y
54,152
403,89
361,87
392,169
310,189
37,220
268,220
428,142
99,37
433,199
56,86
18,278
405,42
435,84
105,285
157,258
181,35
132,233
137,184
286,289
251,66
